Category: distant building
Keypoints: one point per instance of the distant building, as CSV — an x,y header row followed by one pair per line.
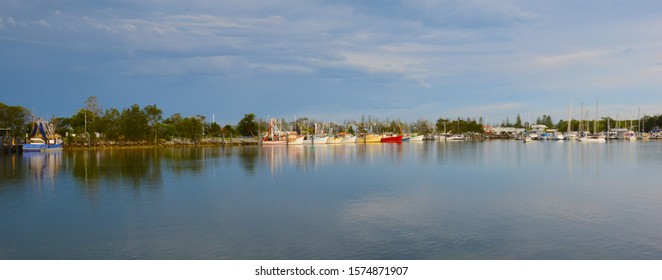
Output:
x,y
497,130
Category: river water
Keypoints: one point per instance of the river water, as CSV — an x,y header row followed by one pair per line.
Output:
x,y
430,200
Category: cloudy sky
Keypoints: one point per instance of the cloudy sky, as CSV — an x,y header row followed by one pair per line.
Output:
x,y
334,60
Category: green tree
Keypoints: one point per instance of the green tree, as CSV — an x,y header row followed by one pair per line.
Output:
x,y
14,117
154,117
81,122
215,130
518,122
440,125
228,130
109,124
248,126
134,123
190,128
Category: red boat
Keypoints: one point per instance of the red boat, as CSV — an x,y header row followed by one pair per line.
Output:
x,y
391,139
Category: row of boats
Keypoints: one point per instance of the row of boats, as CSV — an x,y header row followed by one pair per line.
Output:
x,y
275,136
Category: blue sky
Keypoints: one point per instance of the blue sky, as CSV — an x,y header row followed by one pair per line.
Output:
x,y
334,60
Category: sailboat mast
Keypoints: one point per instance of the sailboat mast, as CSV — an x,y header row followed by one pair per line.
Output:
x,y
569,118
595,122
581,120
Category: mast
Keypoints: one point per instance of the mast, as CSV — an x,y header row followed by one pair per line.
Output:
x,y
581,120
639,118
595,121
569,118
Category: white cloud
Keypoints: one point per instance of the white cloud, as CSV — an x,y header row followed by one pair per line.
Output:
x,y
280,67
572,59
43,23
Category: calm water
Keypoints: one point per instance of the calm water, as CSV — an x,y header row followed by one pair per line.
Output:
x,y
474,200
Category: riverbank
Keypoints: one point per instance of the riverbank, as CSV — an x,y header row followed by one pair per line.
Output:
x,y
209,142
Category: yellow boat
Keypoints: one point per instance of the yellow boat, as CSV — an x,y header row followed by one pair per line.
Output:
x,y
370,138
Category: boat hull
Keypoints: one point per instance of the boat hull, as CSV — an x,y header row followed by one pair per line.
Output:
x,y
296,141
370,138
318,140
416,138
391,139
271,142
348,139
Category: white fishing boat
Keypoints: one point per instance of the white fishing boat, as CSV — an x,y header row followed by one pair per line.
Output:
x,y
274,136
334,140
317,140
295,139
416,138
456,137
348,139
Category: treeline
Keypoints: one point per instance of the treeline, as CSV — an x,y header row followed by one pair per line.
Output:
x,y
646,123
143,124
148,124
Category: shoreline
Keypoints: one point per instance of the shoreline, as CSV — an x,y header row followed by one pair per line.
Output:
x,y
111,145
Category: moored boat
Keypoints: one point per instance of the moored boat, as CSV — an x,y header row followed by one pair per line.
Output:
x,y
334,140
294,139
348,139
274,136
456,137
593,138
370,138
43,137
311,139
391,139
416,138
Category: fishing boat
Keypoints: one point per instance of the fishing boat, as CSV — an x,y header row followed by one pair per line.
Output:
x,y
313,139
456,137
391,139
43,138
416,138
348,139
274,136
294,139
334,140
370,138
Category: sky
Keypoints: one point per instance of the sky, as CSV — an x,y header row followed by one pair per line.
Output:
x,y
335,60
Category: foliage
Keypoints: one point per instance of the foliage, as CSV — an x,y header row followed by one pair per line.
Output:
x,y
459,126
215,130
134,123
228,130
248,126
14,117
154,116
190,128
518,122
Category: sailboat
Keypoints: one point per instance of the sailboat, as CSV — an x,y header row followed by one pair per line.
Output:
x,y
527,137
595,137
570,135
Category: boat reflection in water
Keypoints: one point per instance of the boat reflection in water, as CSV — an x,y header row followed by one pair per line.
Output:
x,y
44,167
